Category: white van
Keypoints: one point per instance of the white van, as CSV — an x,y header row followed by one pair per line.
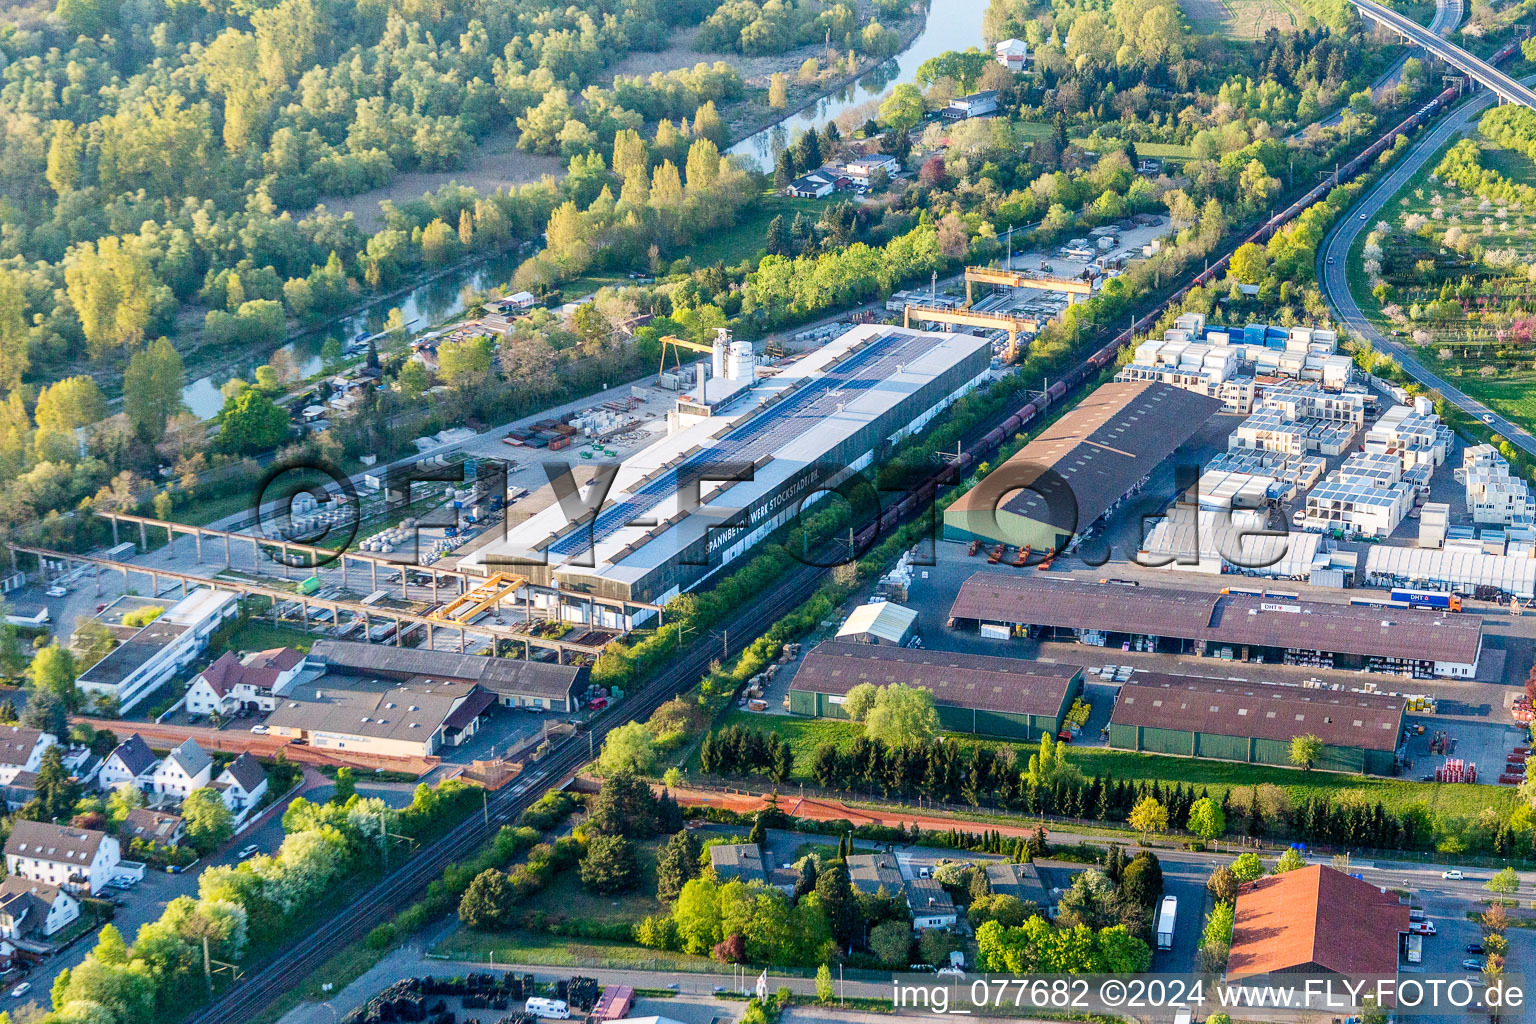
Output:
x,y
555,1009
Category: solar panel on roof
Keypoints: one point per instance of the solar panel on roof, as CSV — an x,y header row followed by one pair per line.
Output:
x,y
759,435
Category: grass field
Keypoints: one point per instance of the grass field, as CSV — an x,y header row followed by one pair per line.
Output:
x,y
261,636
745,240
1462,803
518,947
1240,19
203,511
1454,801
803,735
1030,131
566,898
1513,165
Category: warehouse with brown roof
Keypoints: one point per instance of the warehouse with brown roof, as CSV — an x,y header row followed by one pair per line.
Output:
x,y
1255,722
1078,469
1315,920
1416,642
1005,697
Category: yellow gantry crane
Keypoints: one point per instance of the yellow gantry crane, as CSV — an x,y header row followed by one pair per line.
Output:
x,y
677,345
970,318
1073,286
481,598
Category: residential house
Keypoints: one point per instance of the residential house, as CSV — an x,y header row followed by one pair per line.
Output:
x,y
742,861
21,750
930,903
20,791
76,859
815,185
242,785
232,684
871,872
131,763
150,826
977,104
184,769
515,302
862,171
34,910
1021,881
1013,54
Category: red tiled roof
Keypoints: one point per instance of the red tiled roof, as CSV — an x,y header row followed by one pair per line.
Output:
x,y
278,659
260,671
223,674
1315,916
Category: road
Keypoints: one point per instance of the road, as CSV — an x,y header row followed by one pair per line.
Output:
x,y
146,901
1448,14
1334,252
1490,76
394,891
1445,902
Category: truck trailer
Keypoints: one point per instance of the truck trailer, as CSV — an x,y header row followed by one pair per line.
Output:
x,y
1165,922
1428,599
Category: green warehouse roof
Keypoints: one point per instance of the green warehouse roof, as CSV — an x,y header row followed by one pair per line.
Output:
x,y
1007,685
1223,707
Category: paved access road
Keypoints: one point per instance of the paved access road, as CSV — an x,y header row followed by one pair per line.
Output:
x,y
1360,219
1455,56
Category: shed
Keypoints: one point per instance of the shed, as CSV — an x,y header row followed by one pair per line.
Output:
x,y
884,622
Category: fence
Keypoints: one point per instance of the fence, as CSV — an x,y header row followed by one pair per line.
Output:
x,y
917,807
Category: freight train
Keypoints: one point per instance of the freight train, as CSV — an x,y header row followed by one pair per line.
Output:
x,y
957,469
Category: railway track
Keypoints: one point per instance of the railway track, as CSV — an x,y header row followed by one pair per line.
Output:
x,y
246,998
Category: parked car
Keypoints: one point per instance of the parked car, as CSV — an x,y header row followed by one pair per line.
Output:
x,y
260,730
1452,875
1472,965
1475,947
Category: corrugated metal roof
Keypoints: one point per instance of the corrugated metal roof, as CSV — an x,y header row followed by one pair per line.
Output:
x,y
1315,915
1099,450
1009,685
501,675
1003,597
1237,619
1225,707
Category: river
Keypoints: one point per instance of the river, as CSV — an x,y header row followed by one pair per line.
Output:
x,y
429,304
951,25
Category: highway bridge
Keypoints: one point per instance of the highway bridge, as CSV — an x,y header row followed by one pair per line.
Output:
x,y
1501,85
